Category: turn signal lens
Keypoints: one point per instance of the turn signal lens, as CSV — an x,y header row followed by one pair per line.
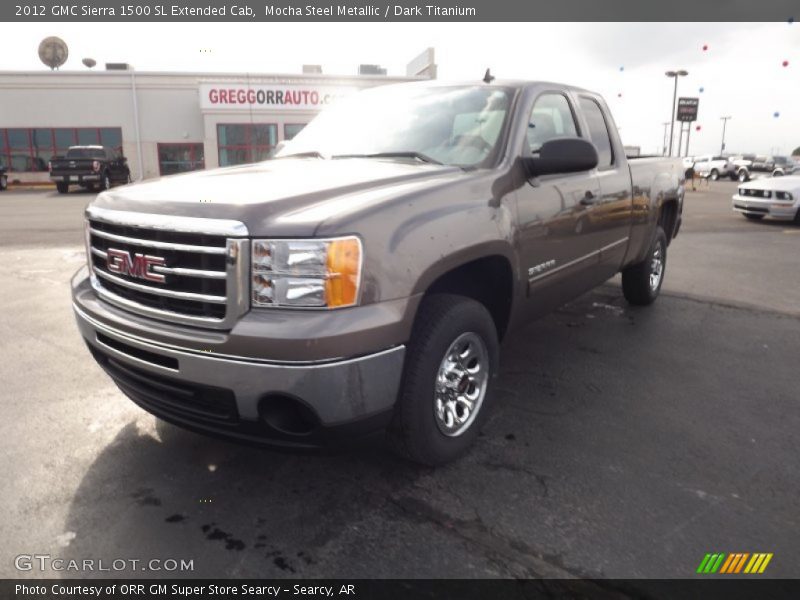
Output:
x,y
343,272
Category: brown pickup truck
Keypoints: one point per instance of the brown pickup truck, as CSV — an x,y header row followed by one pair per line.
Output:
x,y
363,279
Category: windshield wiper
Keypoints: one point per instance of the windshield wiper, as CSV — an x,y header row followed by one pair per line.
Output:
x,y
311,154
408,154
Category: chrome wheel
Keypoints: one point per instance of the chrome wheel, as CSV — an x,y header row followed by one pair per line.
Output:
x,y
461,384
656,267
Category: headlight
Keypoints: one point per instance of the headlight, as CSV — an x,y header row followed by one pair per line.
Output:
x,y
783,196
306,273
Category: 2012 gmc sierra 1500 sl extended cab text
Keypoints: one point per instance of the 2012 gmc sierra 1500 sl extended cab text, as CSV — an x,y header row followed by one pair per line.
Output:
x,y
363,278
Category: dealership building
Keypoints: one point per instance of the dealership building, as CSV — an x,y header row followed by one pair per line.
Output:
x,y
166,123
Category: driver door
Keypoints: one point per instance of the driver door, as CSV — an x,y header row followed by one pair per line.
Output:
x,y
556,247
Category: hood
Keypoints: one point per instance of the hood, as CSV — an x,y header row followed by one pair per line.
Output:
x,y
260,194
785,183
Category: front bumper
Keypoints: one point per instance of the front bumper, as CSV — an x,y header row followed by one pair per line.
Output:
x,y
765,206
236,396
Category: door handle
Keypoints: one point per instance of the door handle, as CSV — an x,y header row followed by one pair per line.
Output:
x,y
589,198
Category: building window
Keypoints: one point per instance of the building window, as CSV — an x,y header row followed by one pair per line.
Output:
x,y
292,129
30,149
245,142
179,158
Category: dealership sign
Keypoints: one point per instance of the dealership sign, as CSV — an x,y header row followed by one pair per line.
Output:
x,y
687,109
232,96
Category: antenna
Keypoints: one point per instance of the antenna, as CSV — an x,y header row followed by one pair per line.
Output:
x,y
488,77
53,52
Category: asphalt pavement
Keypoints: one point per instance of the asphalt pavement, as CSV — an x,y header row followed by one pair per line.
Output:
x,y
624,442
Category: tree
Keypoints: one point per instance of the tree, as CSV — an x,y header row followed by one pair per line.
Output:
x,y
796,151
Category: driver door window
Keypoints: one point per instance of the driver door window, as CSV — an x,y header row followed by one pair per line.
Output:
x,y
551,118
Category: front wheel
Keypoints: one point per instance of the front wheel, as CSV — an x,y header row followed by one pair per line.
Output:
x,y
753,217
3,183
62,187
714,175
743,176
450,362
641,283
106,182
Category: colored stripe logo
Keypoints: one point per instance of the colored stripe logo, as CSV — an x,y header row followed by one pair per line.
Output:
x,y
734,563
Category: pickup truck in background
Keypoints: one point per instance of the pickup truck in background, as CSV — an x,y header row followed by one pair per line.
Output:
x,y
91,167
770,166
363,279
714,167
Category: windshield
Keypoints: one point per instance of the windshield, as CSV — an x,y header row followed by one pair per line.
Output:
x,y
449,125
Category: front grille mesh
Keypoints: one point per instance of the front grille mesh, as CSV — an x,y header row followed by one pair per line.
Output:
x,y
194,269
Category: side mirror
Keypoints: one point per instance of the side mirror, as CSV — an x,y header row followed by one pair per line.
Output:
x,y
562,155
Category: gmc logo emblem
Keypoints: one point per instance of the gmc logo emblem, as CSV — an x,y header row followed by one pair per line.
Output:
x,y
139,266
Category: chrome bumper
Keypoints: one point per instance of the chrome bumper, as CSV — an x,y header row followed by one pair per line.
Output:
x,y
338,392
765,206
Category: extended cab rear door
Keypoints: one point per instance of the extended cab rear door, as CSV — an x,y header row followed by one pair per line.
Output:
x,y
610,212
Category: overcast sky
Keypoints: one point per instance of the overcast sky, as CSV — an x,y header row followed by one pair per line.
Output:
x,y
741,71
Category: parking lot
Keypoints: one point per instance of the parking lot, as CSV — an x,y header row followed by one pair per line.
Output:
x,y
624,442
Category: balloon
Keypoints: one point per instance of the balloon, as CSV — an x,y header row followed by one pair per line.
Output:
x,y
705,47
622,69
785,63
702,89
698,128
776,114
619,95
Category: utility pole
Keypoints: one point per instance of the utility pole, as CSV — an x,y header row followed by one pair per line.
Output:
x,y
664,146
724,125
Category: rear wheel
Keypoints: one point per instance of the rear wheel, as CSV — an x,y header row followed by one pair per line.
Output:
x,y
714,175
753,217
450,362
3,182
743,176
62,187
641,283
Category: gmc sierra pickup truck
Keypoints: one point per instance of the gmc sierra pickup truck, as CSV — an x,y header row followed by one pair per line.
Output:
x,y
363,278
91,167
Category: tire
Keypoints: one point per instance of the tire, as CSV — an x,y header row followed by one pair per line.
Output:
x,y
641,283
105,184
62,187
743,176
753,217
3,183
424,429
714,175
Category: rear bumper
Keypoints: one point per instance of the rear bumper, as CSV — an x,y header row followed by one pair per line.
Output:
x,y
70,178
252,400
767,207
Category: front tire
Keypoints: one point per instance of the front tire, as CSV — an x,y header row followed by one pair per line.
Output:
x,y
105,184
743,176
450,363
62,187
714,175
753,217
641,283
3,183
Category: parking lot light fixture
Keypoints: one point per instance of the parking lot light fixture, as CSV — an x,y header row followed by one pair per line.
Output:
x,y
674,75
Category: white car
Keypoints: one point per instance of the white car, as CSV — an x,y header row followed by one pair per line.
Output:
x,y
777,197
713,167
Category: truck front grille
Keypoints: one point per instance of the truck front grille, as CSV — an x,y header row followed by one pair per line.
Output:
x,y
192,277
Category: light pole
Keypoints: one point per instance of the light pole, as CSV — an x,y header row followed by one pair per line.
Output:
x,y
664,145
674,75
724,124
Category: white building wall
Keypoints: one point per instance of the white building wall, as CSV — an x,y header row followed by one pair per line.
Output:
x,y
168,106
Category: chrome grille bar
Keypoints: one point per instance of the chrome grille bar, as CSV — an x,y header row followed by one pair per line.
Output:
x,y
160,291
154,244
